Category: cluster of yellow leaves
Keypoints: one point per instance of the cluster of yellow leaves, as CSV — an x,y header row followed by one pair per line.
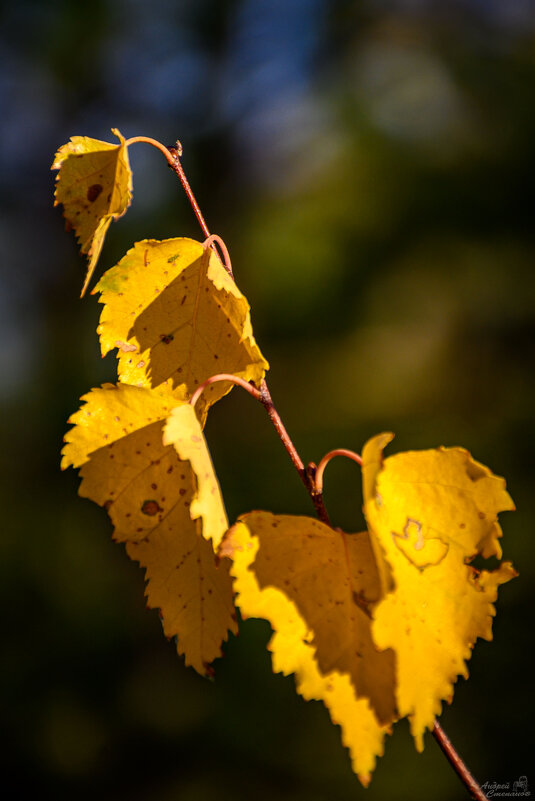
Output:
x,y
378,624
176,318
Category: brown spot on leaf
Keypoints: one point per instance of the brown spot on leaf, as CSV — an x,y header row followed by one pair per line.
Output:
x,y
166,338
151,508
93,192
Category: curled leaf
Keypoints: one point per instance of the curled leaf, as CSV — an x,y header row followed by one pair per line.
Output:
x,y
94,185
432,512
184,432
317,587
148,491
177,318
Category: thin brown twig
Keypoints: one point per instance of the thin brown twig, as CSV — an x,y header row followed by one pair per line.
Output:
x,y
172,154
263,395
309,475
275,418
297,462
457,763
266,399
176,152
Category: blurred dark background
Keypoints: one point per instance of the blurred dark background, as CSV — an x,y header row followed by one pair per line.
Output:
x,y
369,165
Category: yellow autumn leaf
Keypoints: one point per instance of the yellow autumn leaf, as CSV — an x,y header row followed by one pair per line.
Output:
x,y
94,185
317,587
149,493
432,512
199,326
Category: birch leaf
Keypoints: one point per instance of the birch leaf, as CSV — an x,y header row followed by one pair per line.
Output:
x,y
149,492
432,512
317,587
94,185
199,326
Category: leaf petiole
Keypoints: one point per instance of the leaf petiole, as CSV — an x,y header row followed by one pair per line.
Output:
x,y
211,242
154,142
225,377
318,477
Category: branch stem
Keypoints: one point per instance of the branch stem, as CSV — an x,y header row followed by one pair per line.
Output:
x,y
304,475
176,152
457,763
275,418
172,154
311,476
263,395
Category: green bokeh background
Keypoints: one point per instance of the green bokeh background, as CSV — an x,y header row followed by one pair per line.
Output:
x,y
369,165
